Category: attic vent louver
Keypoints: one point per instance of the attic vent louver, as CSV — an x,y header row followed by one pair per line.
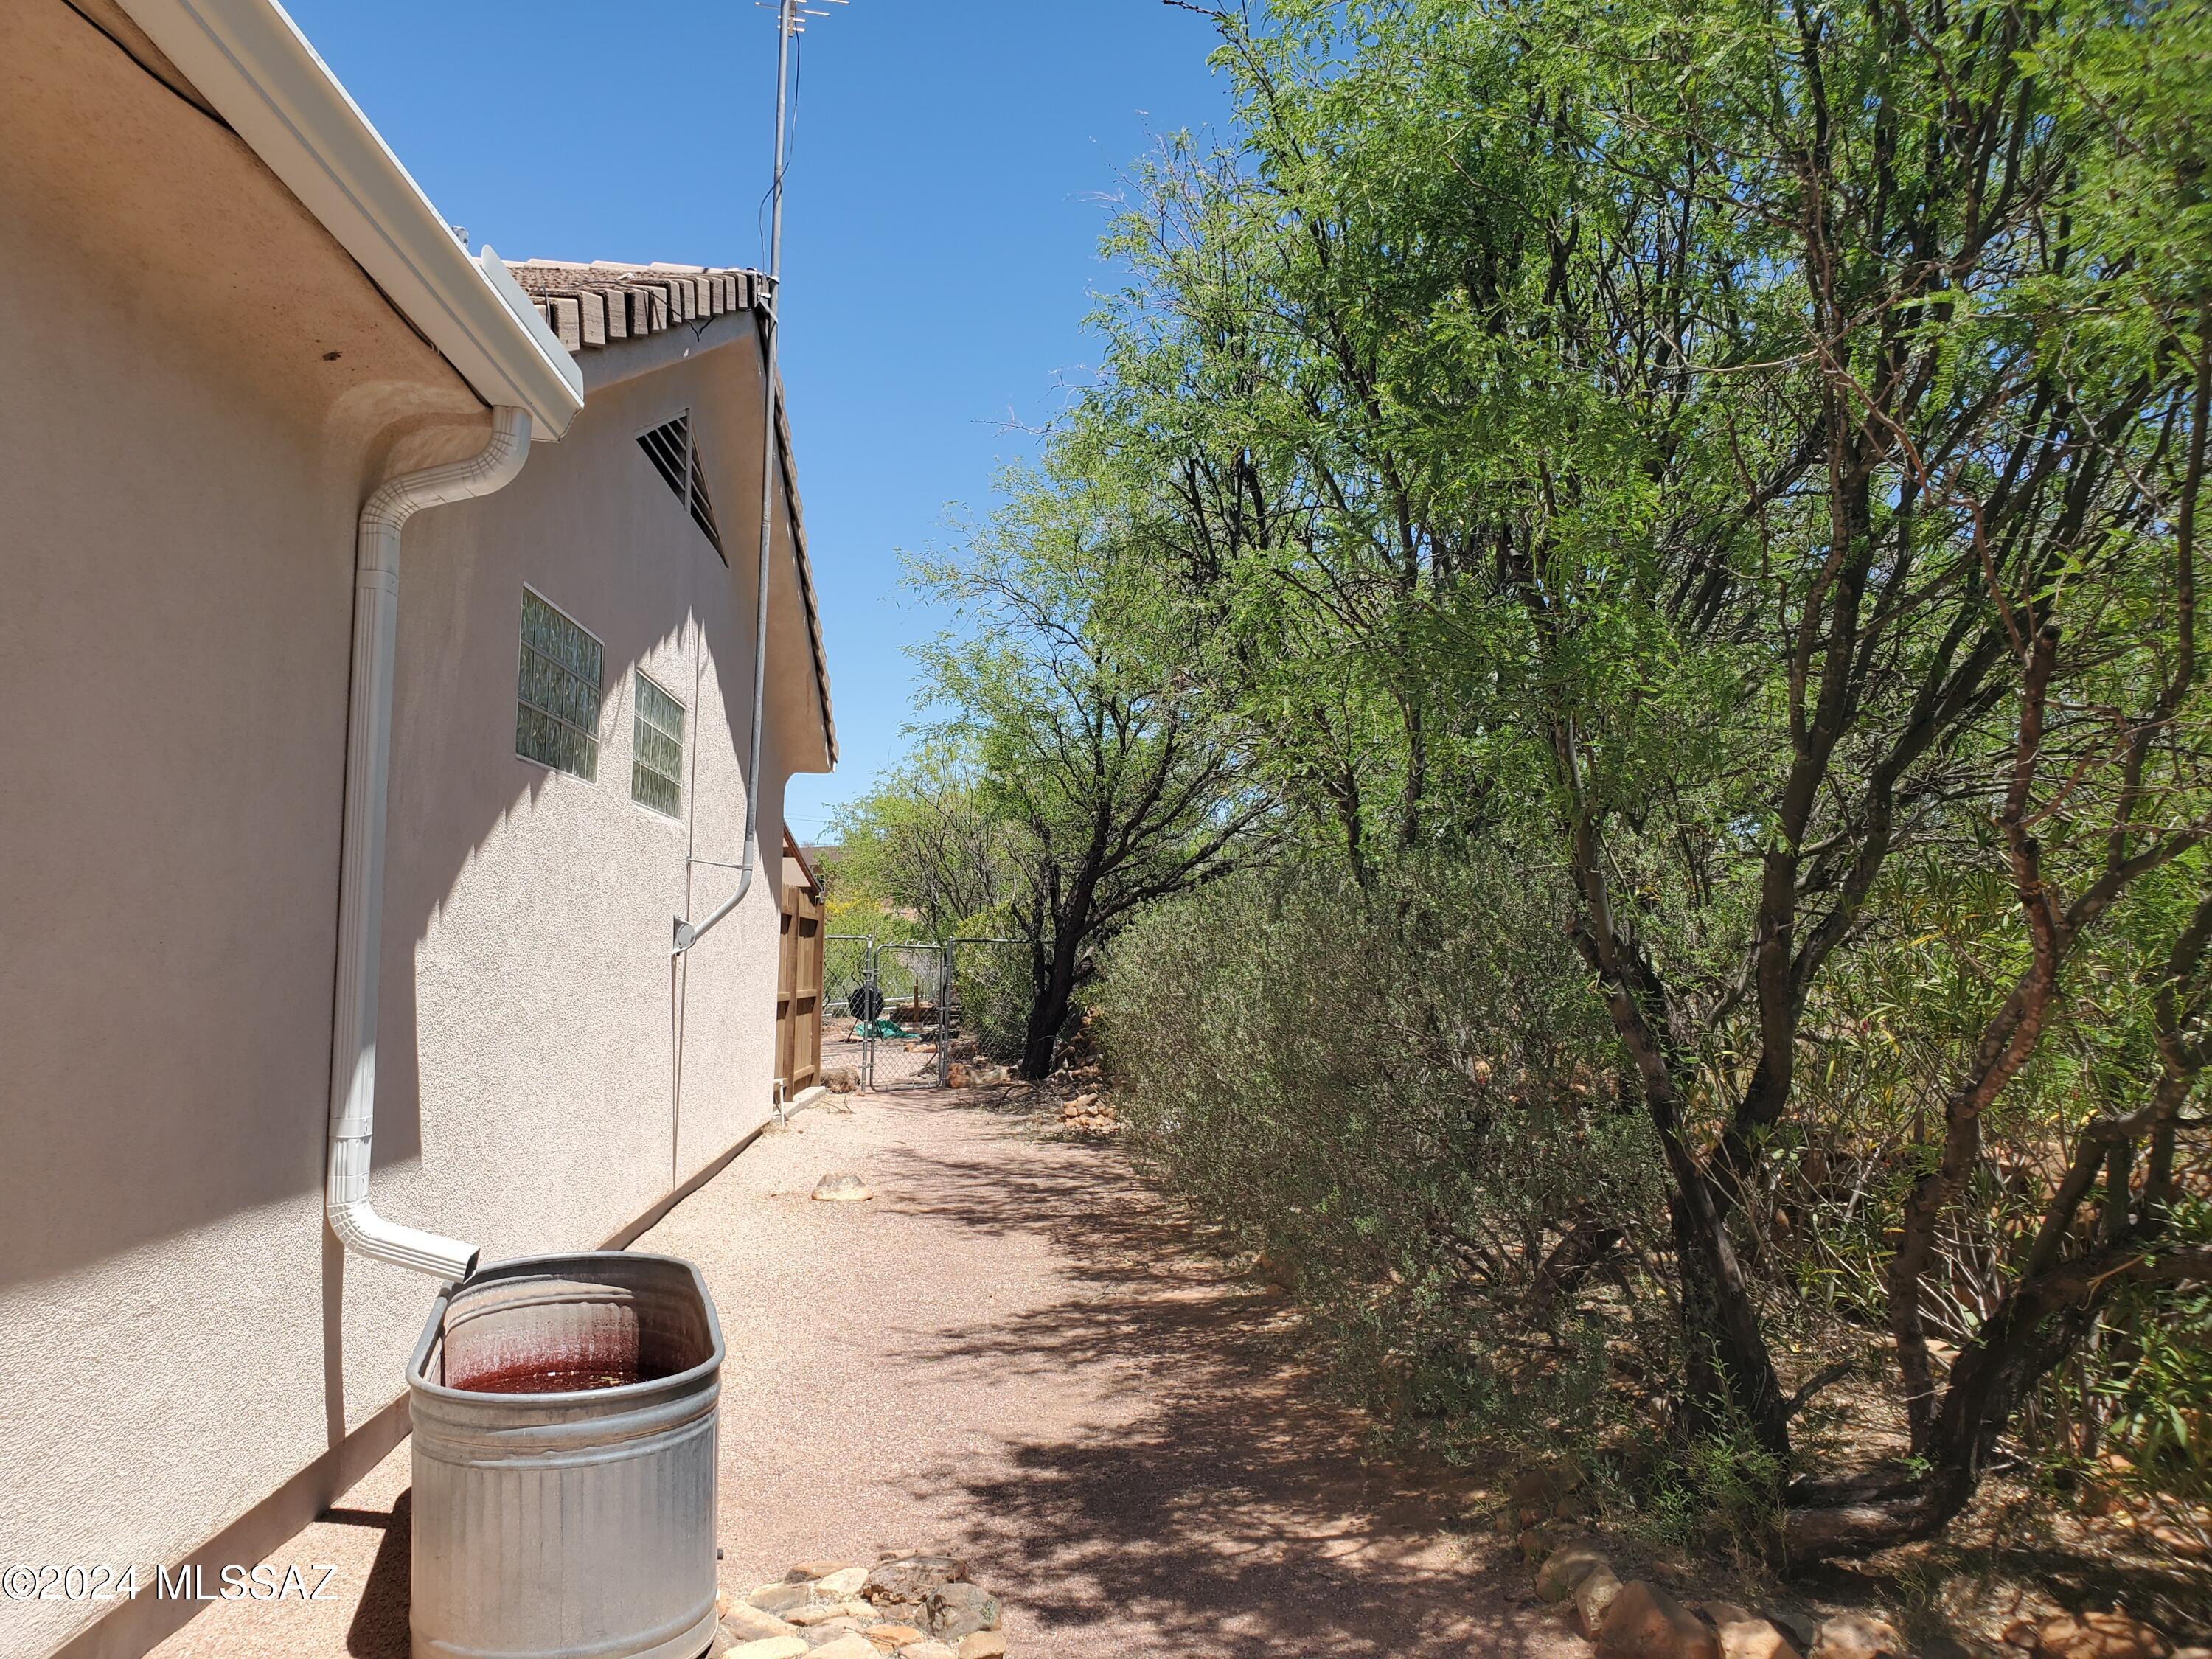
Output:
x,y
669,448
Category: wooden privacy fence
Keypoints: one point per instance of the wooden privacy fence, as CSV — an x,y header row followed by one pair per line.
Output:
x,y
799,982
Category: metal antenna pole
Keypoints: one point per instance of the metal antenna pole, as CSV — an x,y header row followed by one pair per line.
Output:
x,y
789,14
772,330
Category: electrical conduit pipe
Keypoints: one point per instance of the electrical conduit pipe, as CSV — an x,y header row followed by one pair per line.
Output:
x,y
361,849
688,934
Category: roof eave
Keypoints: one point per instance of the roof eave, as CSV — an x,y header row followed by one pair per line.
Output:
x,y
251,61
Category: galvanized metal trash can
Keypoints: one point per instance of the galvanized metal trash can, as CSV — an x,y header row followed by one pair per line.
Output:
x,y
565,1410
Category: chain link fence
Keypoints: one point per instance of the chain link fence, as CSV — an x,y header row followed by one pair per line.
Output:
x,y
897,1014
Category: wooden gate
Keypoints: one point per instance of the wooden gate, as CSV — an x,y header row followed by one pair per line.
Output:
x,y
798,980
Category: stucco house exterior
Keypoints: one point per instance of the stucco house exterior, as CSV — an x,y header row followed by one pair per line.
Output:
x,y
279,454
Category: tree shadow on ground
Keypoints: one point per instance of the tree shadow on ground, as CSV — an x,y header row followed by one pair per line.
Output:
x,y
1232,1511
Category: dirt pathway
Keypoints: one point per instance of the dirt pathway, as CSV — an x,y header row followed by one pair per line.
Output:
x,y
1010,1355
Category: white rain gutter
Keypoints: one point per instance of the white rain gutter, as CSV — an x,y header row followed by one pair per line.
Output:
x,y
249,60
361,850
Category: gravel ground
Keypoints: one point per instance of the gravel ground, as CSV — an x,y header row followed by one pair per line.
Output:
x,y
1008,1354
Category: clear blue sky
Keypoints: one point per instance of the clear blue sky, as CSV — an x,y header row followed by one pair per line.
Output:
x,y
940,232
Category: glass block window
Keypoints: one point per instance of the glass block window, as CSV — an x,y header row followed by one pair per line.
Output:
x,y
556,720
656,767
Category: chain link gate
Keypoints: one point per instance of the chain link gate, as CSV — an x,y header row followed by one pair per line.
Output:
x,y
908,1038
891,1008
848,977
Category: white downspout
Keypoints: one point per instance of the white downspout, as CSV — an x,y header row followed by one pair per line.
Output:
x,y
361,850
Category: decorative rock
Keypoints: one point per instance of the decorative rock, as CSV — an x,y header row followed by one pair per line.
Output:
x,y
889,1635
957,1609
1592,1597
2099,1635
843,1187
1856,1636
851,1645
928,1648
775,1647
983,1645
1564,1568
908,1581
1754,1638
779,1599
805,1572
1644,1622
1540,1487
841,1581
821,1614
1717,1613
745,1622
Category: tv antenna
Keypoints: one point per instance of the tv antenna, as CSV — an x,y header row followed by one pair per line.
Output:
x,y
792,17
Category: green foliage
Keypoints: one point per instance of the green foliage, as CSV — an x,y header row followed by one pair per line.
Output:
x,y
920,851
1733,468
1401,1099
1103,783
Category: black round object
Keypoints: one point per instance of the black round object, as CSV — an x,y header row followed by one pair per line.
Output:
x,y
866,1002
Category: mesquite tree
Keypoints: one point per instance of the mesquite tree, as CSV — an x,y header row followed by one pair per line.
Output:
x,y
1746,456
1112,785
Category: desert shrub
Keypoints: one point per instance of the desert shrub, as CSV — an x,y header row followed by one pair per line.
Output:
x,y
1405,1102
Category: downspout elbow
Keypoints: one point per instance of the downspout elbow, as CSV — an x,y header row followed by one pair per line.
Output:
x,y
361,854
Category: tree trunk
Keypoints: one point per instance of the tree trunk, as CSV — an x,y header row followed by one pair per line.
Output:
x,y
2040,1323
1047,1014
1729,1380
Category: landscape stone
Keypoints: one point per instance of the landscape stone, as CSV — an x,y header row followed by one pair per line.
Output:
x,y
2099,1635
807,1572
850,1645
928,1648
1754,1639
780,1599
1540,1486
820,1612
1564,1568
1592,1597
775,1647
1717,1613
908,1581
1857,1636
841,1582
891,1635
1644,1622
745,1622
842,1187
956,1609
982,1644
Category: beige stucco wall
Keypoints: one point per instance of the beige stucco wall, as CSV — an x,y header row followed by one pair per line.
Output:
x,y
544,1071
199,392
